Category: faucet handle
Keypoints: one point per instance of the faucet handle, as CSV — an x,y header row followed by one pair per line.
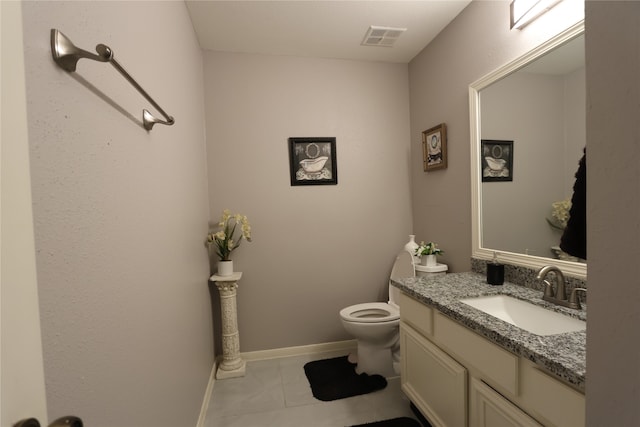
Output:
x,y
574,302
548,289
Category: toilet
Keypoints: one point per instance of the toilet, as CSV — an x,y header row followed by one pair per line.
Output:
x,y
375,325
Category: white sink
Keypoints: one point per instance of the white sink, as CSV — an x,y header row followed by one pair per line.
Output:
x,y
527,316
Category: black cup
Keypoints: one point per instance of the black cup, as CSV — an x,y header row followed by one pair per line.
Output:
x,y
495,274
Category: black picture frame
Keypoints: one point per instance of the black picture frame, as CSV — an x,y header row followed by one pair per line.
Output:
x,y
312,161
496,160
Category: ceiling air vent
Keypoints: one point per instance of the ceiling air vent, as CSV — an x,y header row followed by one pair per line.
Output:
x,y
382,36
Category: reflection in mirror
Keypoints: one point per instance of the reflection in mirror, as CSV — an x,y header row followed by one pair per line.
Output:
x,y
574,236
538,102
542,109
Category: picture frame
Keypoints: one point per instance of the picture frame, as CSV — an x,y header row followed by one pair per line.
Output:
x,y
434,148
496,160
312,161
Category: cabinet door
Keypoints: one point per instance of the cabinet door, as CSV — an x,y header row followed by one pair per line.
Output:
x,y
435,382
557,403
490,409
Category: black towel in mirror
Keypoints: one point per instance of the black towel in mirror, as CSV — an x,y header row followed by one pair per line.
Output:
x,y
574,238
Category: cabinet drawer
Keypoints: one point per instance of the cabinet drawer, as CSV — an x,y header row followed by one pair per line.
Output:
x,y
557,402
416,314
498,366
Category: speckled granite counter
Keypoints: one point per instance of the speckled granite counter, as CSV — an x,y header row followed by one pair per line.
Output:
x,y
563,355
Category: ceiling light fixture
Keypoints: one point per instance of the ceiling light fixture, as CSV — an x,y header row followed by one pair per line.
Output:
x,y
524,12
382,36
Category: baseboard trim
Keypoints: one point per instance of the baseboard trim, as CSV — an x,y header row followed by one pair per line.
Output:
x,y
272,354
207,396
300,350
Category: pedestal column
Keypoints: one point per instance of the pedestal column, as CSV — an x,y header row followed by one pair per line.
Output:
x,y
232,364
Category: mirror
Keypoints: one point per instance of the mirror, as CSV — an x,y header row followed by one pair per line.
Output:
x,y
527,137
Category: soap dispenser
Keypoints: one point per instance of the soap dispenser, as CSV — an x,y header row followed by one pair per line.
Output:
x,y
495,271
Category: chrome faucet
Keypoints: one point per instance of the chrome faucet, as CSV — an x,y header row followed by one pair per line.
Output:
x,y
559,297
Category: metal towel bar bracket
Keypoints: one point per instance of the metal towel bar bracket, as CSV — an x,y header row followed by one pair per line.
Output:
x,y
67,55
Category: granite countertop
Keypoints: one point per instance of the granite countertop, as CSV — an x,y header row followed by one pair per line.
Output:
x,y
562,355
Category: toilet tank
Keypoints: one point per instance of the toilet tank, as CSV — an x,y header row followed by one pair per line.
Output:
x,y
402,268
394,295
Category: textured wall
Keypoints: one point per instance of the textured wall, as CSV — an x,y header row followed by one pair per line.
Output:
x,y
477,42
22,391
316,249
120,215
613,209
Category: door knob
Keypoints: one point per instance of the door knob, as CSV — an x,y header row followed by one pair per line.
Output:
x,y
29,422
68,421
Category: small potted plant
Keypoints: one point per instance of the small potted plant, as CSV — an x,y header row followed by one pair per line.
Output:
x,y
428,252
224,239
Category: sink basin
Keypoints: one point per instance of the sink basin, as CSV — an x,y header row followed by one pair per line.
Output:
x,y
527,316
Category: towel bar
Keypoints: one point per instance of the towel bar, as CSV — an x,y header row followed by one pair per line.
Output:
x,y
67,55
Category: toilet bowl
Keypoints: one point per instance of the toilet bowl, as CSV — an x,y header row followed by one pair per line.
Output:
x,y
375,326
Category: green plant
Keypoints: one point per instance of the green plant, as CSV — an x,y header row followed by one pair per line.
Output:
x,y
223,239
428,249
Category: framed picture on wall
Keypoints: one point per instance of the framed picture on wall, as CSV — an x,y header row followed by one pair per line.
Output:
x,y
496,160
434,148
312,161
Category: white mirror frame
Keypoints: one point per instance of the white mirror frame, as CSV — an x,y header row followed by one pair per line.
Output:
x,y
574,269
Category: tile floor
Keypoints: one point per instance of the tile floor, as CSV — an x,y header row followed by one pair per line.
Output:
x,y
276,393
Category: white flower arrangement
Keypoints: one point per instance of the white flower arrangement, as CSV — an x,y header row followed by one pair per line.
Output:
x,y
428,249
224,239
560,214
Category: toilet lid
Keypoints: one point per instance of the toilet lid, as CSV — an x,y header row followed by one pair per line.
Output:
x,y
370,312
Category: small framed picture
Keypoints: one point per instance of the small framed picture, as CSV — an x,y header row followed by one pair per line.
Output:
x,y
434,148
312,161
496,160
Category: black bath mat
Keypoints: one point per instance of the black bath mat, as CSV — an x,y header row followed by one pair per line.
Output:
x,y
336,378
396,422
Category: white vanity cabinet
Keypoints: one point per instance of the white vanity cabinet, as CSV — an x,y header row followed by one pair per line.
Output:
x,y
434,382
458,378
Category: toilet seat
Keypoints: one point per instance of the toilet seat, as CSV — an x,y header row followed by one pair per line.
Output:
x,y
370,312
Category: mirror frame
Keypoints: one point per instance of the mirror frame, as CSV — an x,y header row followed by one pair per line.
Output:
x,y
574,269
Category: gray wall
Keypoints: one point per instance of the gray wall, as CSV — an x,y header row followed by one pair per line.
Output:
x,y
613,208
22,392
120,215
476,42
315,249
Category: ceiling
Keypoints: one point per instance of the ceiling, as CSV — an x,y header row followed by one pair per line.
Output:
x,y
314,28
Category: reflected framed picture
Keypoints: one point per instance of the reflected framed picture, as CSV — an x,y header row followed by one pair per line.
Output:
x,y
312,161
496,160
434,148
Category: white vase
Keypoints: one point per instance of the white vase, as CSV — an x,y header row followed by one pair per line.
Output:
x,y
225,268
411,247
429,260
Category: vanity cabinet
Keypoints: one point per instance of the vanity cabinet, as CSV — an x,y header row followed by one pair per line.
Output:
x,y
435,382
458,378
